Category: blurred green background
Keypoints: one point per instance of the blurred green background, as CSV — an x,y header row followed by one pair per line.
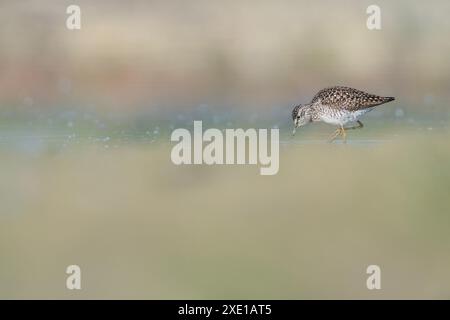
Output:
x,y
85,121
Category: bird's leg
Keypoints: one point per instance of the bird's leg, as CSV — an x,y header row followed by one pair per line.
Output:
x,y
359,126
344,134
334,135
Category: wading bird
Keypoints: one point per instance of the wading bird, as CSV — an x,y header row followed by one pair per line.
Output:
x,y
338,106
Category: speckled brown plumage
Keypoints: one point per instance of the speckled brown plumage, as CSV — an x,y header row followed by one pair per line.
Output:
x,y
348,98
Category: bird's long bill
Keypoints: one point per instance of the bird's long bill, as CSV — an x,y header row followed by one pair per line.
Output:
x,y
295,127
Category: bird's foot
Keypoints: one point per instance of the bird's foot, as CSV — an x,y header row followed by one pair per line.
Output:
x,y
344,135
334,135
339,132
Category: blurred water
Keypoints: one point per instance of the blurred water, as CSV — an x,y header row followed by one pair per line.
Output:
x,y
36,135
350,142
141,227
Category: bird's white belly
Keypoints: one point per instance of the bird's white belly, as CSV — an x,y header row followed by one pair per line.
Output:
x,y
342,117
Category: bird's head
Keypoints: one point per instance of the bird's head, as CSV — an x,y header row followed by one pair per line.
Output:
x,y
301,116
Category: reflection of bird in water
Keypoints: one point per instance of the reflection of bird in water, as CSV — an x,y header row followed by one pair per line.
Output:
x,y
338,106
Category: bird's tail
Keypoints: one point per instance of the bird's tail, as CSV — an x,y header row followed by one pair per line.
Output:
x,y
374,100
388,99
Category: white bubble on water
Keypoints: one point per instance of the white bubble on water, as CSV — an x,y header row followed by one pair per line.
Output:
x,y
399,113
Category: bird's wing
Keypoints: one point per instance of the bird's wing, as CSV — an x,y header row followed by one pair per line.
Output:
x,y
348,98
